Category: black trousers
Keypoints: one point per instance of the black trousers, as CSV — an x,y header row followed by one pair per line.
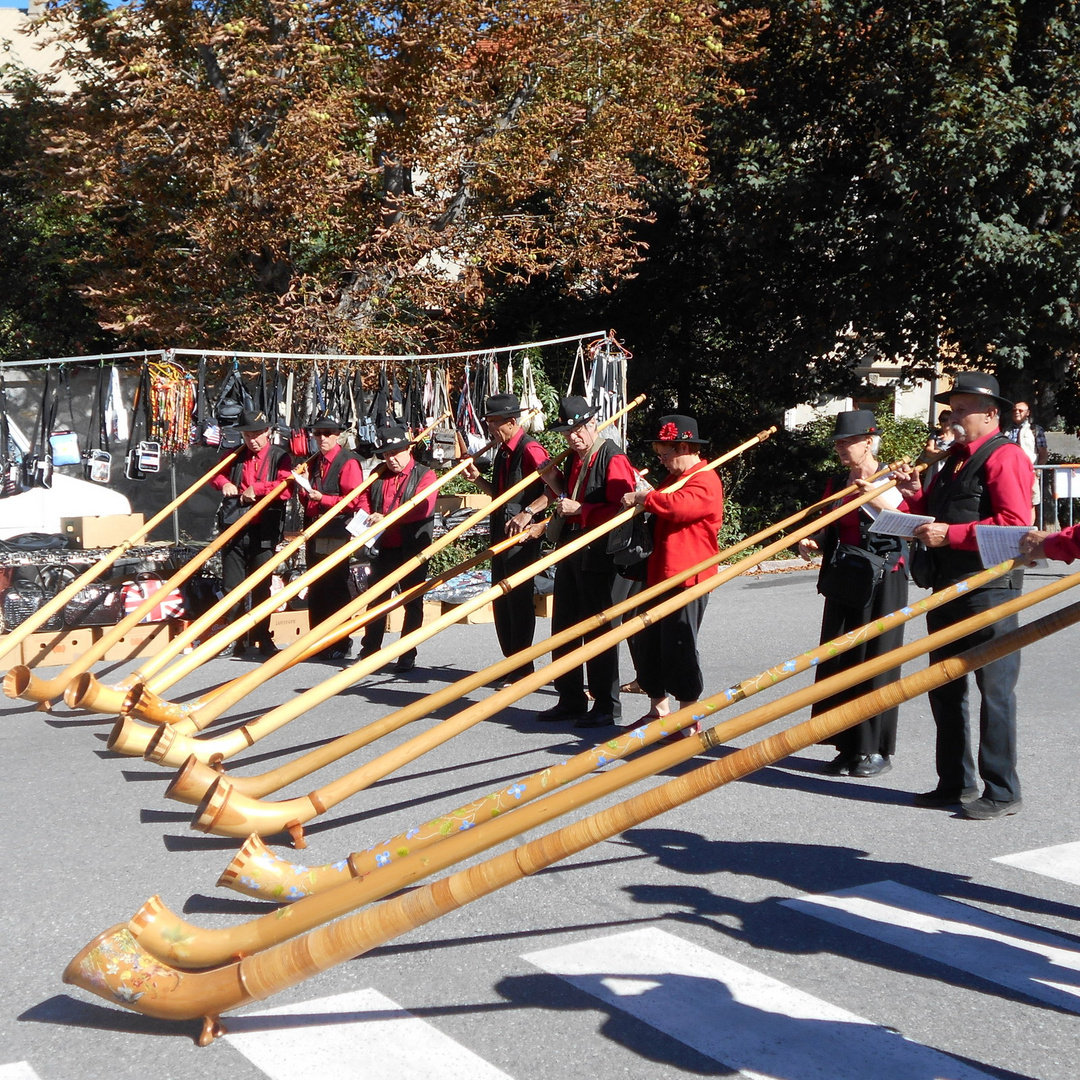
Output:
x,y
388,560
239,559
579,593
997,710
878,734
515,613
330,592
666,654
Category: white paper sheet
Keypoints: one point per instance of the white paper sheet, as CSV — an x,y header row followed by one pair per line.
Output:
x,y
302,481
358,523
895,523
999,542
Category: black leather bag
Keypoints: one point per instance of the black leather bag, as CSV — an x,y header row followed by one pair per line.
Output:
x,y
630,546
851,575
22,600
95,605
921,565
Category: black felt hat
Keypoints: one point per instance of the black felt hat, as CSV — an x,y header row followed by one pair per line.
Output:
x,y
677,428
253,420
975,382
573,412
502,405
391,439
855,422
325,423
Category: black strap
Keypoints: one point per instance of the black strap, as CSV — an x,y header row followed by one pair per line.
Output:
x,y
97,437
140,409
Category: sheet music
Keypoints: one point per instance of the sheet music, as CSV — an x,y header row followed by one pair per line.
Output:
x,y
302,481
999,542
358,523
895,523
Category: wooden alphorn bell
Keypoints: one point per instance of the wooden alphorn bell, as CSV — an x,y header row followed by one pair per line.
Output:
x,y
107,965
85,692
193,781
195,715
51,607
167,747
257,871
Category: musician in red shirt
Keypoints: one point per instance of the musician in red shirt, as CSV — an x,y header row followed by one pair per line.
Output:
x,y
686,523
334,473
258,468
404,478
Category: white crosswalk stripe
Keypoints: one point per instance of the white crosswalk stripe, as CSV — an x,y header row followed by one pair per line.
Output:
x,y
1011,954
1061,862
18,1070
738,1016
356,1036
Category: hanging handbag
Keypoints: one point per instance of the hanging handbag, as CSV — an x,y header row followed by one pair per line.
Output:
x,y
37,465
97,461
10,480
63,442
141,450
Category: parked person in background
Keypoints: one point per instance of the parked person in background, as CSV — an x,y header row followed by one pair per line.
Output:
x,y
405,538
939,443
258,468
334,473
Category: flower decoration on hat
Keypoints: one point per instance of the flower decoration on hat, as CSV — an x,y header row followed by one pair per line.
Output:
x,y
669,433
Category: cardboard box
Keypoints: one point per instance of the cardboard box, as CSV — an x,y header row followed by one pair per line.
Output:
x,y
287,626
396,619
100,532
449,504
58,648
480,615
146,639
542,605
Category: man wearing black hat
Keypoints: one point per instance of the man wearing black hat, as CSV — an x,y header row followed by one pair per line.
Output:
x,y
334,473
598,474
985,480
403,478
518,455
259,467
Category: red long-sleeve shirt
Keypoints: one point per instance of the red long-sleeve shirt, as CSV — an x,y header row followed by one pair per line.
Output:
x,y
1009,478
532,457
349,479
254,466
391,500
1065,545
620,479
686,524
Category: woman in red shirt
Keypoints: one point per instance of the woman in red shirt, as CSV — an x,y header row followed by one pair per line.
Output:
x,y
685,527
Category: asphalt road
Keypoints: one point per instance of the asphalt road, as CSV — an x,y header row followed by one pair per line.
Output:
x,y
552,976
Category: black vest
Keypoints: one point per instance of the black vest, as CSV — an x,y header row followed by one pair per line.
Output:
x,y
330,484
416,535
891,548
958,498
269,526
514,473
594,490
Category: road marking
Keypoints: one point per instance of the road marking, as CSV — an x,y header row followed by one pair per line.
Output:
x,y
739,1017
18,1070
1061,862
1003,951
353,1036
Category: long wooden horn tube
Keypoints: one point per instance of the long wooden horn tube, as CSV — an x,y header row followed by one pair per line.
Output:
x,y
256,871
169,937
167,747
50,607
194,779
109,963
150,707
21,682
190,717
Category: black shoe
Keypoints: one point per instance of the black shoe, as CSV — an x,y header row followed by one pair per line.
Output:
x,y
945,797
984,809
365,653
239,651
404,663
268,648
841,764
560,712
870,765
595,719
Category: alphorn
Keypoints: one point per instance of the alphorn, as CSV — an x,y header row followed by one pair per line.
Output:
x,y
51,607
201,712
109,964
85,692
226,812
21,682
257,871
167,747
169,937
195,778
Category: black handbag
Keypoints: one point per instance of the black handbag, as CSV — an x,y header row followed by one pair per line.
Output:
x,y
630,546
95,605
921,565
851,574
22,600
